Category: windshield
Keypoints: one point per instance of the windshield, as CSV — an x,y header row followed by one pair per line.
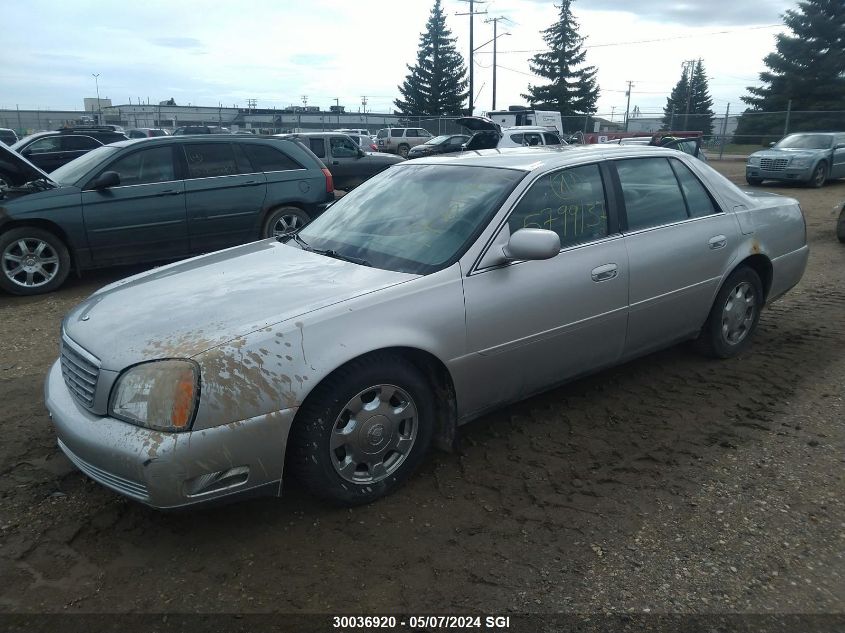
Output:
x,y
806,141
413,219
437,140
70,173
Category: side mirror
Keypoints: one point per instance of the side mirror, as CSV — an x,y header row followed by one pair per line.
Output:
x,y
106,179
531,244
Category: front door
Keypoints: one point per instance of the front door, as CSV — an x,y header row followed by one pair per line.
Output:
x,y
224,195
837,169
346,164
533,324
143,218
680,243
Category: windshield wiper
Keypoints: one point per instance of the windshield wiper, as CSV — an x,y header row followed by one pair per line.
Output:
x,y
347,258
295,237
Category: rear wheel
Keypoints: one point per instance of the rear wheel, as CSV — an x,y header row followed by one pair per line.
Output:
x,y
819,176
363,430
403,150
284,220
734,315
32,261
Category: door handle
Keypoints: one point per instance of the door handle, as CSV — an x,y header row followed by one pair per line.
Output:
x,y
718,241
249,183
169,192
603,273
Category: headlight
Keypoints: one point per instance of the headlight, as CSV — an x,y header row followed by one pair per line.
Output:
x,y
802,161
160,395
754,160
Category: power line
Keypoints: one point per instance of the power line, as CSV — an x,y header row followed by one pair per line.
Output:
x,y
660,39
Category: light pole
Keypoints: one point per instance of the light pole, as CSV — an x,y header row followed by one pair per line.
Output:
x,y
97,86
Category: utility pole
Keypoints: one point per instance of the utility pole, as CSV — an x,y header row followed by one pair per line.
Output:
x,y
97,86
495,22
612,112
337,104
471,15
628,105
689,65
364,106
788,113
724,131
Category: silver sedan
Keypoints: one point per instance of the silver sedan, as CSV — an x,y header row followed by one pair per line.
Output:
x,y
439,290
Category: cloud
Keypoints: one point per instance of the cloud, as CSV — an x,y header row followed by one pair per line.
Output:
x,y
692,12
178,42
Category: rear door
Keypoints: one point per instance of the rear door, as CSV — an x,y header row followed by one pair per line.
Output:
x,y
286,178
680,244
224,194
144,217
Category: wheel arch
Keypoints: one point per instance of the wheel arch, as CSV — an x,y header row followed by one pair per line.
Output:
x,y
439,378
275,207
761,265
46,225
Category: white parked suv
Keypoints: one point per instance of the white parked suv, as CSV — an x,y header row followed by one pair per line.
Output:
x,y
487,134
400,140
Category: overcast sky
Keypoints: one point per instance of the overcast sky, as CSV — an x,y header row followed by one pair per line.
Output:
x,y
275,51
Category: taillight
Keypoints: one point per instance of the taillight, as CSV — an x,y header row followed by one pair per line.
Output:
x,y
373,147
329,180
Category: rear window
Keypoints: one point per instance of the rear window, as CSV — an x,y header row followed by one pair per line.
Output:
x,y
206,160
264,158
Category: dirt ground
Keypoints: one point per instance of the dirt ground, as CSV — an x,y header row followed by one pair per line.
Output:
x,y
671,484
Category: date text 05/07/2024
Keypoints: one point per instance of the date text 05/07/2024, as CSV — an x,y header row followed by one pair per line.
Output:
x,y
354,622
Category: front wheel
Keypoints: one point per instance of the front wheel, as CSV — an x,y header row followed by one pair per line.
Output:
x,y
734,315
819,176
363,430
283,221
32,261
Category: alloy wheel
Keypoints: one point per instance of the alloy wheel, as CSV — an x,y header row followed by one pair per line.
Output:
x,y
30,262
738,313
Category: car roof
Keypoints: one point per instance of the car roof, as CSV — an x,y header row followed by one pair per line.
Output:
x,y
208,138
542,156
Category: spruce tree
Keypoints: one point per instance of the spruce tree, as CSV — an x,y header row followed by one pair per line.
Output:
x,y
808,68
572,89
436,84
700,116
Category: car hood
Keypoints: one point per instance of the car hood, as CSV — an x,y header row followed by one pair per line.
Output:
x,y
787,153
479,124
183,309
381,157
17,170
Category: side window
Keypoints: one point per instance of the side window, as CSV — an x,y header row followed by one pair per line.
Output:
x,y
396,133
381,134
518,138
551,139
651,192
343,147
318,146
570,202
264,158
43,145
145,167
137,134
533,138
698,200
79,143
206,160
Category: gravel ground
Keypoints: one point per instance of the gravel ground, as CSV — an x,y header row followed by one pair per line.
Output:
x,y
671,484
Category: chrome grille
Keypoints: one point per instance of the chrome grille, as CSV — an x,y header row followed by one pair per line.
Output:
x,y
773,164
80,371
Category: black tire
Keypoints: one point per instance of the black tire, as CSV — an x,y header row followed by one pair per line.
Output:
x,y
53,260
712,341
310,457
819,177
840,226
403,150
754,182
294,216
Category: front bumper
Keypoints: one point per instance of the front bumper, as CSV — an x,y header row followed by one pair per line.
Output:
x,y
170,470
794,174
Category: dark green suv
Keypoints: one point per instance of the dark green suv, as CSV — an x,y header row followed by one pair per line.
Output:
x,y
149,200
